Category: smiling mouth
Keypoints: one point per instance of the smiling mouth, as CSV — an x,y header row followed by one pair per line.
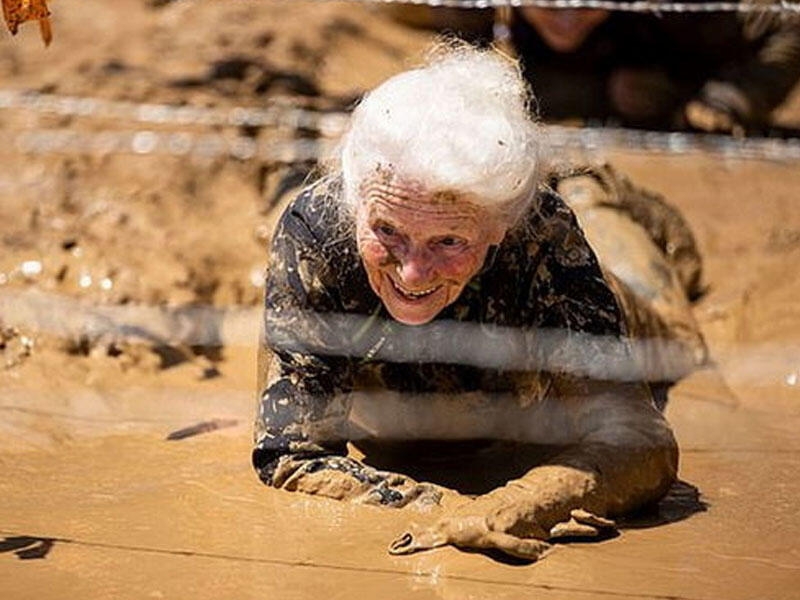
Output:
x,y
413,295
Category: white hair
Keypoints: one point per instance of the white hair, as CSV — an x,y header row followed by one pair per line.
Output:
x,y
461,123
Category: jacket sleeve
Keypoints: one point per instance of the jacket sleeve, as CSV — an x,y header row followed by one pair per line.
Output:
x,y
301,413
626,457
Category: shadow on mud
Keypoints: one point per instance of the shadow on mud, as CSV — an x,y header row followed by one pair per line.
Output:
x,y
681,502
27,547
471,467
477,467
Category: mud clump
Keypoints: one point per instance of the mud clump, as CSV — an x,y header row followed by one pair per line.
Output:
x,y
15,346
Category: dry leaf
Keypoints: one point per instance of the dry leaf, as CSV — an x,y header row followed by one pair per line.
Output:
x,y
19,11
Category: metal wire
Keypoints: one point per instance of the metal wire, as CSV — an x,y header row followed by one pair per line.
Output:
x,y
637,6
209,146
659,142
163,114
328,124
146,142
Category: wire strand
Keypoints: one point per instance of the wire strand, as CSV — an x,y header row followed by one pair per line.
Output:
x,y
637,6
328,124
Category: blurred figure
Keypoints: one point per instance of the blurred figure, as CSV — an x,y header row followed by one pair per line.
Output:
x,y
705,71
564,30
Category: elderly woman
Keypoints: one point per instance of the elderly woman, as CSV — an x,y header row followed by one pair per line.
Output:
x,y
436,287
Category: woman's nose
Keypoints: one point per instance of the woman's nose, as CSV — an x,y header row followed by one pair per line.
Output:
x,y
416,267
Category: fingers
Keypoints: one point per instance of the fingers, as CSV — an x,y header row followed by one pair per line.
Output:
x,y
411,541
468,533
405,544
337,477
328,483
341,477
286,468
584,516
402,492
424,494
475,532
527,548
572,528
582,524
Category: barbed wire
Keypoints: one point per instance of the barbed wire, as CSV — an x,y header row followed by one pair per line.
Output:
x,y
327,124
593,139
210,146
35,313
146,142
637,6
277,114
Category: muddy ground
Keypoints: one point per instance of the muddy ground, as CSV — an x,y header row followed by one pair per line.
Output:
x,y
130,286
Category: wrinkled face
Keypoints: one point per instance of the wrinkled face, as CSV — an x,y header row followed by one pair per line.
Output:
x,y
564,30
420,249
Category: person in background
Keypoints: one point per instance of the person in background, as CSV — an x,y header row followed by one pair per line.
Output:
x,y
721,72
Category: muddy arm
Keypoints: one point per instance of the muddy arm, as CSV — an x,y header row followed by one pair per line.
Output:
x,y
301,438
625,456
294,409
305,375
296,414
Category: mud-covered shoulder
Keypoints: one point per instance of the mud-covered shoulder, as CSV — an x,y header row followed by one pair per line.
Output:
x,y
315,217
564,284
314,263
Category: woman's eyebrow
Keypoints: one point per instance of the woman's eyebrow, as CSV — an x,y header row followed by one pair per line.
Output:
x,y
380,220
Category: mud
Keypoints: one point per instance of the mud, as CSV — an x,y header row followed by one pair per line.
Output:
x,y
107,261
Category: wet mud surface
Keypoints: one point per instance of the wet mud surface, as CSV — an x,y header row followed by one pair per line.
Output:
x,y
129,316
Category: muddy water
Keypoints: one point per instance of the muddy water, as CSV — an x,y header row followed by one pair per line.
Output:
x,y
137,516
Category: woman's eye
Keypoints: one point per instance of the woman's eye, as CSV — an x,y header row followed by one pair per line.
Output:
x,y
386,230
450,242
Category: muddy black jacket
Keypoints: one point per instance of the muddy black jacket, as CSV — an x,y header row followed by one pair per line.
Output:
x,y
328,334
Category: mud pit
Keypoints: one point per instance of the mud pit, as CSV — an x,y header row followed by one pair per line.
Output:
x,y
96,502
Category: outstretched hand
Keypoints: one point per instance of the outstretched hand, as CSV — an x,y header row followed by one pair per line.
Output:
x,y
479,532
468,532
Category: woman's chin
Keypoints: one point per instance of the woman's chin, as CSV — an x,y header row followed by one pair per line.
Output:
x,y
416,315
